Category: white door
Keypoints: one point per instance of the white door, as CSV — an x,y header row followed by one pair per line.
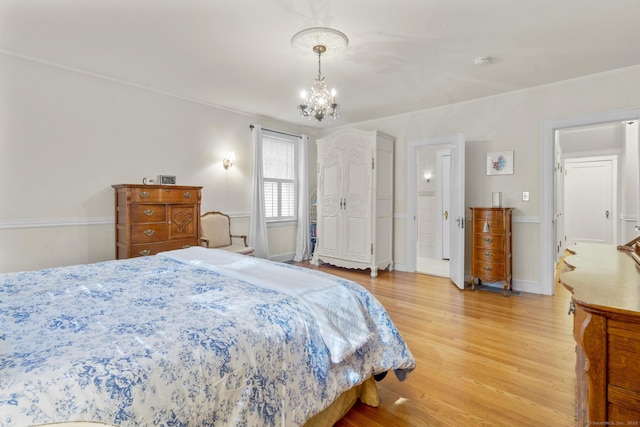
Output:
x,y
457,213
443,210
558,219
589,189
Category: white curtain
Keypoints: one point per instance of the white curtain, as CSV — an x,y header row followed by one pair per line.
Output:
x,y
302,237
258,219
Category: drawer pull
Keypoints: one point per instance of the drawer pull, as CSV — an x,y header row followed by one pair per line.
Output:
x,y
145,252
187,194
487,240
487,268
148,212
488,254
145,194
149,232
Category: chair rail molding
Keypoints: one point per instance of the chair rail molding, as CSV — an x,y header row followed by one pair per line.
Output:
x,y
55,222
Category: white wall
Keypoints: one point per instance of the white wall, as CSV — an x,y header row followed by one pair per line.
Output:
x,y
66,137
507,122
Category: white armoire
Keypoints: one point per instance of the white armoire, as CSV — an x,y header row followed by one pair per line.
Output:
x,y
355,200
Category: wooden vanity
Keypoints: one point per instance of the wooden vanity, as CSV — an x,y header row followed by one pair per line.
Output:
x,y
605,283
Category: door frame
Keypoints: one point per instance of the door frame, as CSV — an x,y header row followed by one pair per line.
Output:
x,y
547,185
412,190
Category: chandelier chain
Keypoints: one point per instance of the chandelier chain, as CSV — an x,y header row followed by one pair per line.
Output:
x,y
320,103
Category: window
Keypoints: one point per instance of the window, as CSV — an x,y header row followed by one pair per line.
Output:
x,y
279,175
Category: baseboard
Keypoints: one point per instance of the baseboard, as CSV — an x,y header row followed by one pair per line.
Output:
x,y
517,285
286,257
400,266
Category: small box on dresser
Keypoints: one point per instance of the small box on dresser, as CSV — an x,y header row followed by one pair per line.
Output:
x,y
155,218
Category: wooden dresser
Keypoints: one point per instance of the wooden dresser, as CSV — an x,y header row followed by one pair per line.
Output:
x,y
605,284
491,246
155,218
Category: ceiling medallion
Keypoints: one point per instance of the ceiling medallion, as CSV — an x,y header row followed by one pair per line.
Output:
x,y
320,103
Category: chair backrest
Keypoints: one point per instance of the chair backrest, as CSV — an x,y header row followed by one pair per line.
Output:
x,y
216,227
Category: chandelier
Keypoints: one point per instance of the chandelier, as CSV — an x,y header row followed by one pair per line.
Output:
x,y
320,103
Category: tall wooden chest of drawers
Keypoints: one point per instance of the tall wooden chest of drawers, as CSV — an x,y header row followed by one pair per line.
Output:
x,y
155,218
491,246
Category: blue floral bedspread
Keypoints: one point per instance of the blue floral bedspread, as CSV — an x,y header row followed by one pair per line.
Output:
x,y
155,341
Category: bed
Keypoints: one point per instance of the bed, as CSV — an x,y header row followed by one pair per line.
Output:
x,y
192,337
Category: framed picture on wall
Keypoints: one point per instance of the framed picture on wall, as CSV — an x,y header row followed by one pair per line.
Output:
x,y
500,163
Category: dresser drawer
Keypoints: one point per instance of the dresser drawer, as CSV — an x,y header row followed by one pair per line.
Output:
x,y
148,213
154,248
490,215
623,355
155,232
488,241
163,195
492,227
488,272
489,256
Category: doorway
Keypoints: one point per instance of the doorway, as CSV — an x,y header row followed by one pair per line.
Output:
x,y
433,245
450,149
550,217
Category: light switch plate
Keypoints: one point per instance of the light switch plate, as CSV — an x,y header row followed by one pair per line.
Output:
x,y
525,196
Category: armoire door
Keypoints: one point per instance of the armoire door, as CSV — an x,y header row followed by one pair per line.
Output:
x,y
357,212
330,205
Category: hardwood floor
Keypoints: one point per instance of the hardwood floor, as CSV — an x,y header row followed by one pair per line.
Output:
x,y
482,359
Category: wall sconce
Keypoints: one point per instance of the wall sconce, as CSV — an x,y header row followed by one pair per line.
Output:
x,y
228,161
428,176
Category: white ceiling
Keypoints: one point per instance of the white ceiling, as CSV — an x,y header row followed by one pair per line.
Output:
x,y
403,55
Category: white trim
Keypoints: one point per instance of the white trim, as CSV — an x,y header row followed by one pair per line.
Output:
x,y
497,96
547,238
401,266
518,219
286,257
238,214
526,219
55,222
517,285
120,81
282,223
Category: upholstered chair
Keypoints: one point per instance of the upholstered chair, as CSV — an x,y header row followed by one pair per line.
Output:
x,y
216,233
